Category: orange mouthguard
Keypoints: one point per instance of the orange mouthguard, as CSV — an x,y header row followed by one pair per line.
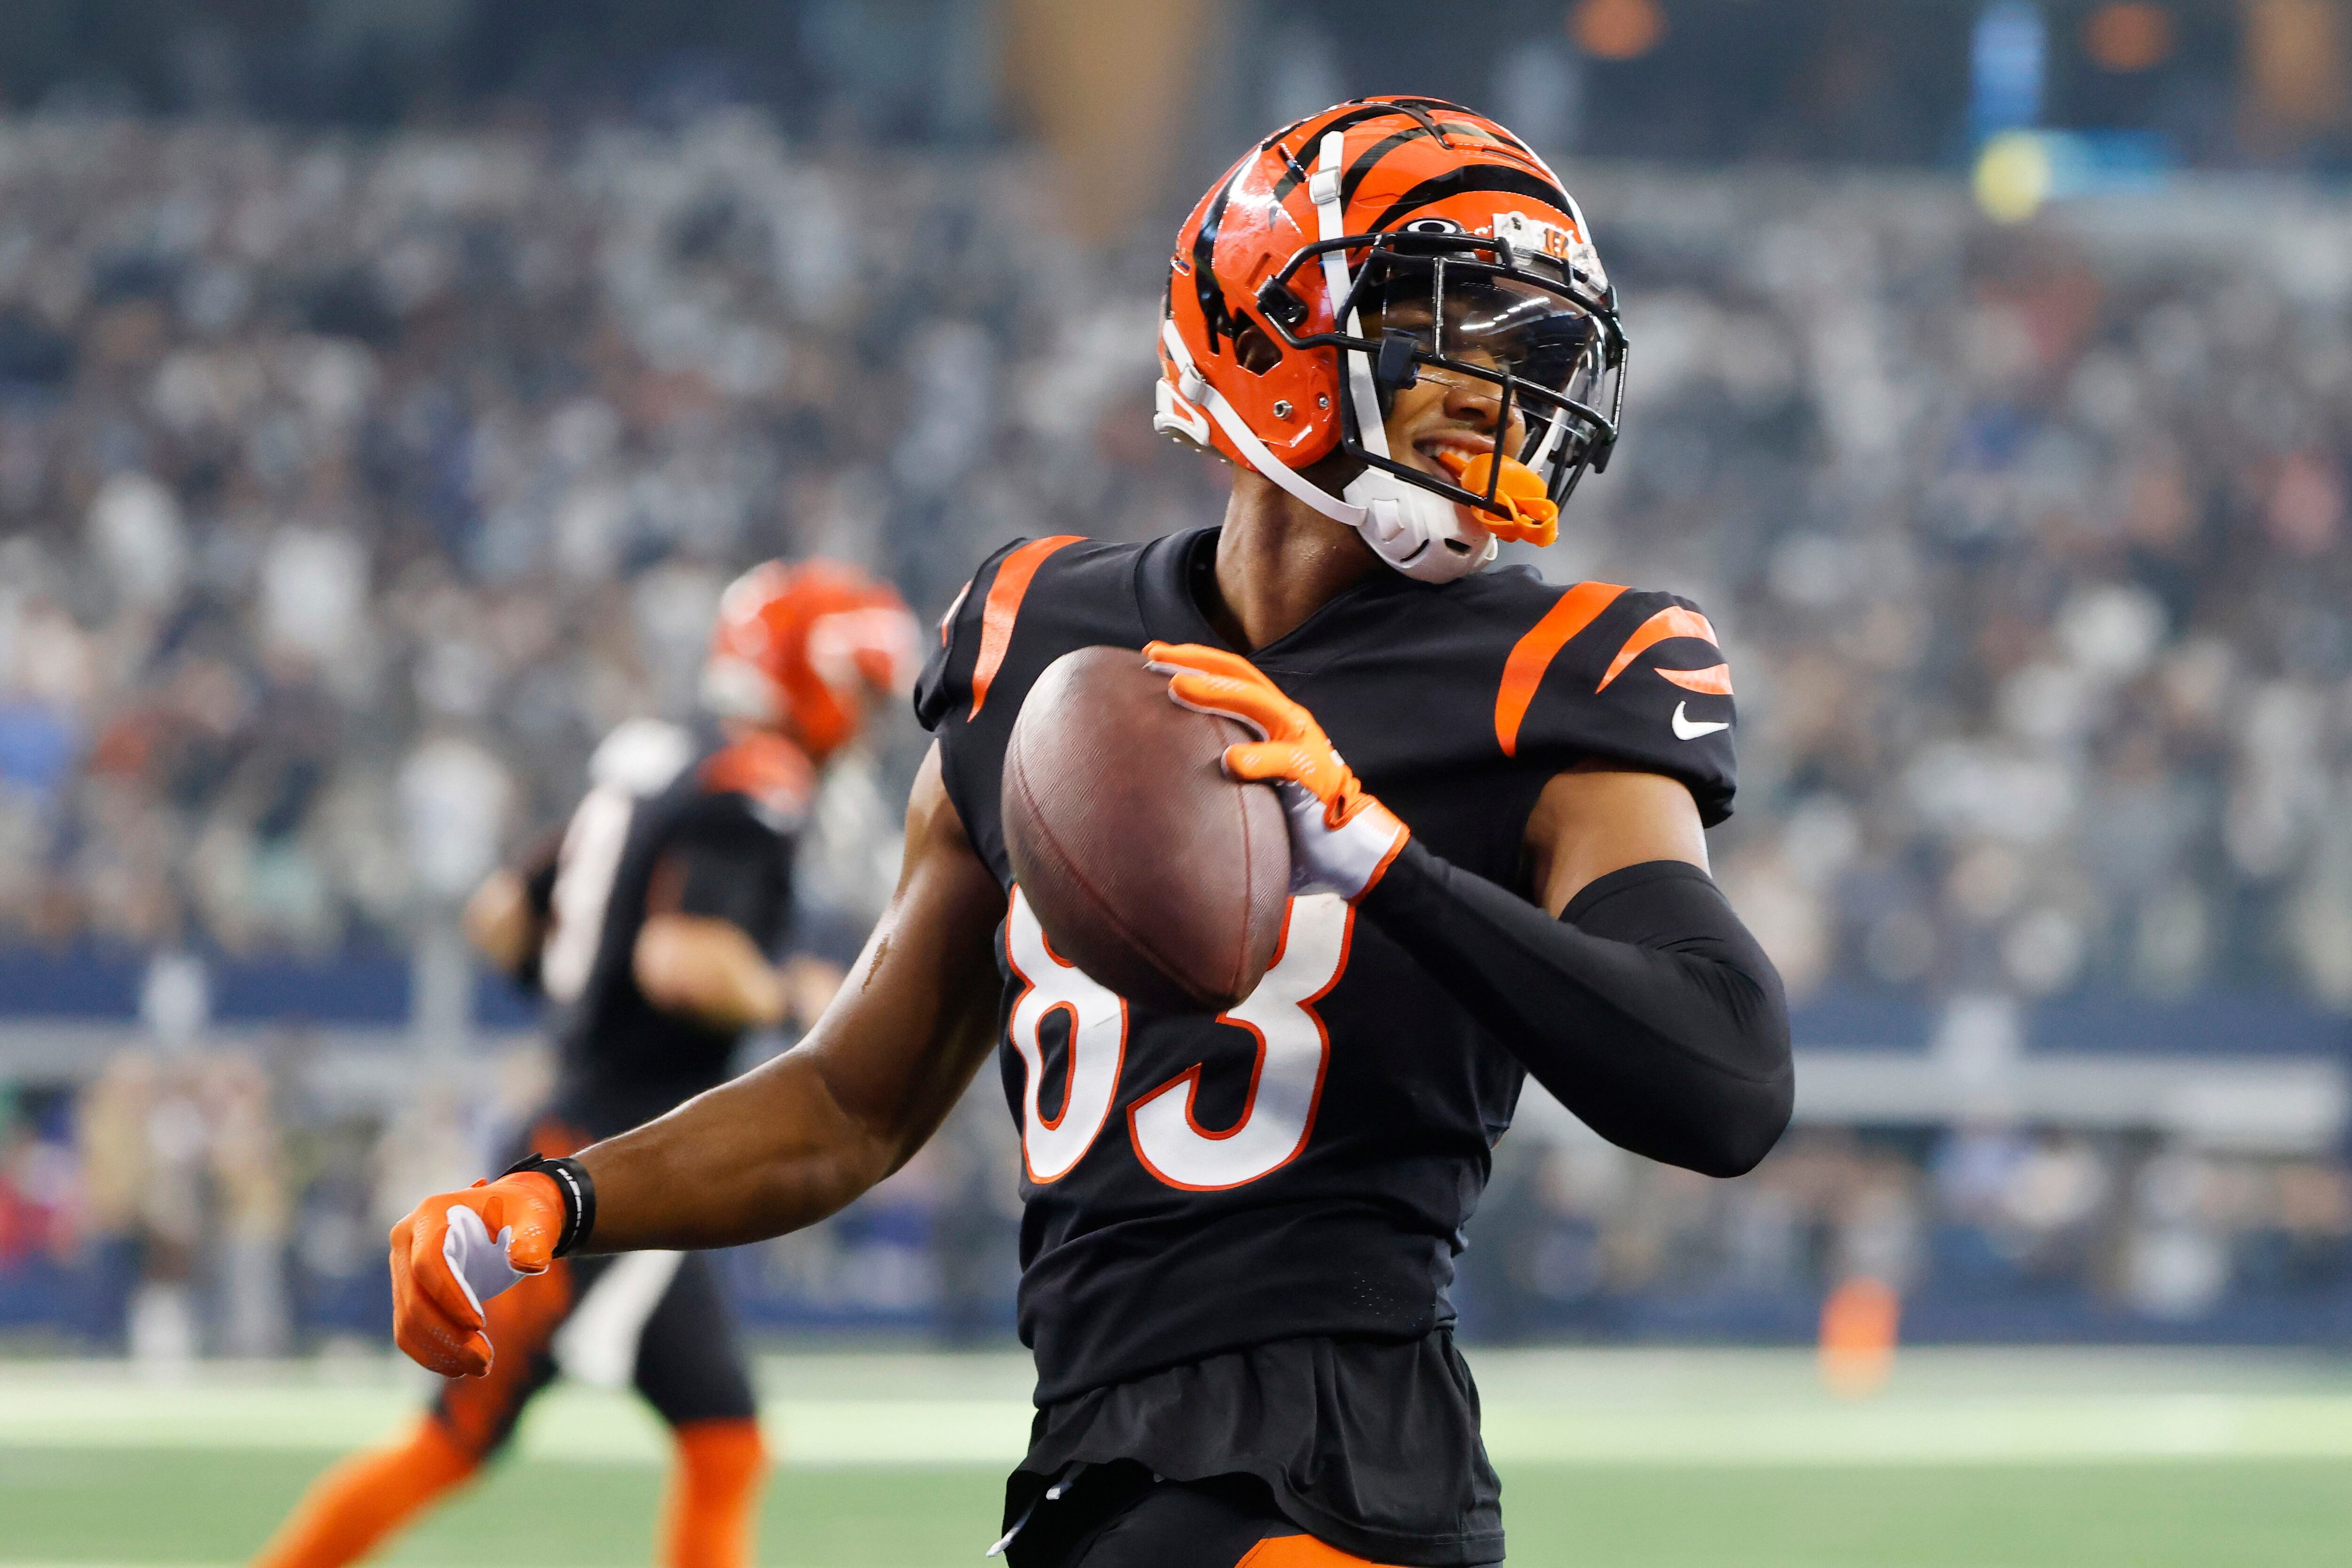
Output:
x,y
1529,513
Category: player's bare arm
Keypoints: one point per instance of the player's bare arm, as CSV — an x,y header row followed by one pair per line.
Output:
x,y
506,916
501,921
781,1147
795,1140
1594,819
706,968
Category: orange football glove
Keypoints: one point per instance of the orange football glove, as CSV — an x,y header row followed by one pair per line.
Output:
x,y
1342,839
455,1251
1529,514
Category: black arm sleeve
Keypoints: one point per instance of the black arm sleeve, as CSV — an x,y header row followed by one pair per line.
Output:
x,y
1647,1008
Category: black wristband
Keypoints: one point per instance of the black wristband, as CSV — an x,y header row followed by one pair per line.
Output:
x,y
579,1190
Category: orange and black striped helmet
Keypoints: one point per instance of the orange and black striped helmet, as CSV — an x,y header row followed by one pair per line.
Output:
x,y
1349,253
803,648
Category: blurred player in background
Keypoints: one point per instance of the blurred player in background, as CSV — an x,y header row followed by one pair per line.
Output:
x,y
650,926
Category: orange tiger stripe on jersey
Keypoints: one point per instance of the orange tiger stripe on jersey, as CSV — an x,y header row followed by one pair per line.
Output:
x,y
1523,672
1674,621
1714,680
1002,604
1300,1551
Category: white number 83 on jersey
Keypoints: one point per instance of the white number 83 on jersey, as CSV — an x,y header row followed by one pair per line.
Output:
x,y
1293,1051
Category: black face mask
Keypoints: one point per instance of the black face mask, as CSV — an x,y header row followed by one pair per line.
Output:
x,y
1473,309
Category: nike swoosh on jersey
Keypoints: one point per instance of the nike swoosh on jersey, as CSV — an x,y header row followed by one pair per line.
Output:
x,y
1687,729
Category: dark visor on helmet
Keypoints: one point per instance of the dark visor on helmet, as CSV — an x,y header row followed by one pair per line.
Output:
x,y
1470,307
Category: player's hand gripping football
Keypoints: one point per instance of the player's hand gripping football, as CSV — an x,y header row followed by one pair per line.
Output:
x,y
455,1251
1342,839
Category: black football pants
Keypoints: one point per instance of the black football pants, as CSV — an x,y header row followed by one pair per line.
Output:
x,y
689,1365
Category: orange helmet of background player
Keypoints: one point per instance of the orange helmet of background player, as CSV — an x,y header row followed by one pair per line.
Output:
x,y
1265,355
801,649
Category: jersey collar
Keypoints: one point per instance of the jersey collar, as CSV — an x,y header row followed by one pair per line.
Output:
x,y
1169,568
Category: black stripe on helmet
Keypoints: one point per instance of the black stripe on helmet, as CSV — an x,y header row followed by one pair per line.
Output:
x,y
1429,103
1510,143
1415,108
1503,133
1372,158
1491,128
1275,143
1216,318
1293,171
1461,182
1296,176
1420,116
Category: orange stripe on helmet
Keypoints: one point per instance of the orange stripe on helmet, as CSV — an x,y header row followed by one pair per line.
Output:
x,y
1523,672
1714,680
1003,605
1674,621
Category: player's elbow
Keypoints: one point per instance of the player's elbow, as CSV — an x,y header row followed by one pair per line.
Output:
x,y
1741,1127
1752,1089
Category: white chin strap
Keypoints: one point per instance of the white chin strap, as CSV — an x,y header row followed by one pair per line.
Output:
x,y
1418,531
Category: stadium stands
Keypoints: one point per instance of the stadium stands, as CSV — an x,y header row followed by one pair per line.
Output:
x,y
349,488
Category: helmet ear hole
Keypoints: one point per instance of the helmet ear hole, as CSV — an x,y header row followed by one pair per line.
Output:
x,y
1253,350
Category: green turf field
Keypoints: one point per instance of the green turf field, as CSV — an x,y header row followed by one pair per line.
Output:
x,y
1618,1459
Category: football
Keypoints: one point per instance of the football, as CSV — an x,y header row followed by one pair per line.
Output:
x,y
1146,866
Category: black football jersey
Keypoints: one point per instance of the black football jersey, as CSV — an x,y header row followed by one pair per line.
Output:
x,y
1303,1164
673,820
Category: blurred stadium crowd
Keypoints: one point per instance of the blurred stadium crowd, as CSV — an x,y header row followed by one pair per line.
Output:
x,y
352,494
350,491
158,1211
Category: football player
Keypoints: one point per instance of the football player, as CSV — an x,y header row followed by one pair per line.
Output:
x,y
649,927
1241,1232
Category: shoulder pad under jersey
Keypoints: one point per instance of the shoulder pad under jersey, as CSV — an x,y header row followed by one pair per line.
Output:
x,y
773,776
